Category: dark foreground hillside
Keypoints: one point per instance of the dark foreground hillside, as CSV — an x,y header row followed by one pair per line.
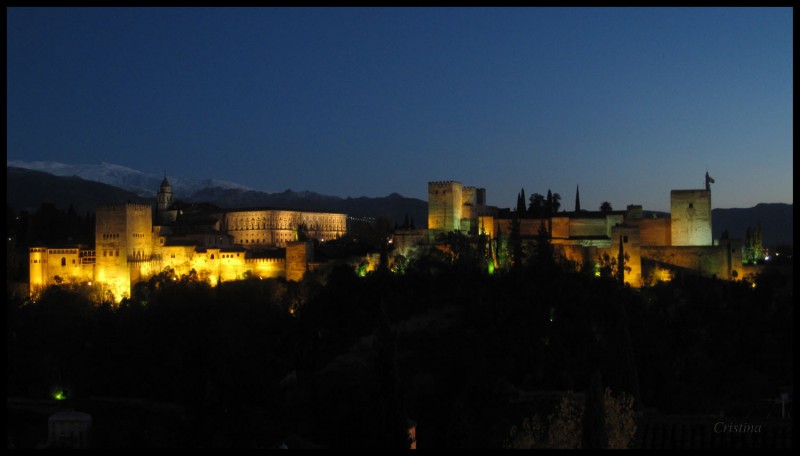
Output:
x,y
476,360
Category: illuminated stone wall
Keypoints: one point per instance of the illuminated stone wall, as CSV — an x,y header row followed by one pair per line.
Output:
x,y
690,211
486,225
298,255
528,228
469,203
267,268
593,226
559,227
444,206
583,227
578,254
275,228
405,240
232,266
324,226
723,261
52,266
655,232
37,260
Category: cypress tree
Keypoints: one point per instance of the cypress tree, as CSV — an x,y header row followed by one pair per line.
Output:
x,y
521,204
594,421
621,263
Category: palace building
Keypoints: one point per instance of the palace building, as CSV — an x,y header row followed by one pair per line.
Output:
x,y
132,243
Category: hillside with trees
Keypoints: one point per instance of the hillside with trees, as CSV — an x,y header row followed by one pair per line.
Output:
x,y
478,358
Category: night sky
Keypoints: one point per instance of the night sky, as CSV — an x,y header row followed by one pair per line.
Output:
x,y
627,103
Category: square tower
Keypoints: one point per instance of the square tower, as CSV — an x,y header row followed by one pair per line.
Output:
x,y
122,238
690,211
444,205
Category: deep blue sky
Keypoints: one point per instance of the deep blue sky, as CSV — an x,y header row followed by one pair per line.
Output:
x,y
627,103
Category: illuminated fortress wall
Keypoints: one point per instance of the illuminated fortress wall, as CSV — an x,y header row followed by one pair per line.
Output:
x,y
37,258
657,232
564,227
48,266
690,211
723,261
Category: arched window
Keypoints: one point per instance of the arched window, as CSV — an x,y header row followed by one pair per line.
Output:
x,y
63,261
212,256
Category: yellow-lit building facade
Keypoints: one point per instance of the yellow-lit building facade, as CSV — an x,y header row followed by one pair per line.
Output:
x,y
130,248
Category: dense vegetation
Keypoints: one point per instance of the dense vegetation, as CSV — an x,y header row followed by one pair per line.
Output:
x,y
343,361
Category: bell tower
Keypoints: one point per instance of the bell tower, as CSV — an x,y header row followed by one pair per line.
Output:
x,y
164,200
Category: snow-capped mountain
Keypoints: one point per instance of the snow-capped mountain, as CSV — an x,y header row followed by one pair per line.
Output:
x,y
135,181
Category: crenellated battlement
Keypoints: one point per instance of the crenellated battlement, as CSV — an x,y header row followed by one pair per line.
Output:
x,y
442,184
123,206
265,260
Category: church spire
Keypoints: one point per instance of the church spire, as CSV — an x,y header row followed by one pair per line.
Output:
x,y
577,198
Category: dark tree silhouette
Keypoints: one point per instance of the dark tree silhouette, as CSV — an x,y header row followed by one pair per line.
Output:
x,y
556,202
521,204
594,422
516,244
536,207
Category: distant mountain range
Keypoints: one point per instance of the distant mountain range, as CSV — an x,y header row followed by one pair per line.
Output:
x,y
90,185
142,184
27,189
776,221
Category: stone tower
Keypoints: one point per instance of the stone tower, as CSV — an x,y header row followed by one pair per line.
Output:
x,y
690,212
123,245
164,201
444,205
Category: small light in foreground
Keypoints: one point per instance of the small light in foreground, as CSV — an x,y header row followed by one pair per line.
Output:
x,y
59,395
